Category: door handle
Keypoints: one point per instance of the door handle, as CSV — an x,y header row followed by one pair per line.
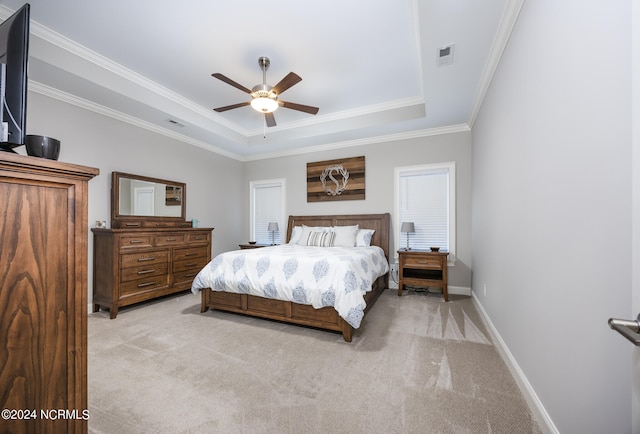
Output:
x,y
628,328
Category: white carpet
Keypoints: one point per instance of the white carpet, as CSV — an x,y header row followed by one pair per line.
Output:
x,y
417,364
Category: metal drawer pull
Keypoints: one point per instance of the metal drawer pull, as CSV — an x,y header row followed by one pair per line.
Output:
x,y
190,253
135,241
189,275
191,264
146,271
153,258
628,328
171,239
142,285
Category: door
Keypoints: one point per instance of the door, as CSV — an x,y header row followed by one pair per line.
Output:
x,y
143,201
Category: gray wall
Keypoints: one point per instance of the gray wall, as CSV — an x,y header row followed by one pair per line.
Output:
x,y
218,187
552,208
215,190
380,160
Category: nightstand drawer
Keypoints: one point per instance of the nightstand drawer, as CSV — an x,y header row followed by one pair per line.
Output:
x,y
423,261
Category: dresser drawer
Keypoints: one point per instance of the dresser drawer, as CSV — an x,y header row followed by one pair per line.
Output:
x,y
143,285
189,259
429,262
189,253
146,259
187,276
170,240
144,271
135,241
198,238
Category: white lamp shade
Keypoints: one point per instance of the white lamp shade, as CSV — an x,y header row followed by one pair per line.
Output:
x,y
407,227
264,105
273,226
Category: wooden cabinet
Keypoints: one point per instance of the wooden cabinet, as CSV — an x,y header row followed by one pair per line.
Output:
x,y
136,265
43,294
423,268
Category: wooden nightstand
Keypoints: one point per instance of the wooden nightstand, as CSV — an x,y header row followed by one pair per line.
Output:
x,y
252,246
423,268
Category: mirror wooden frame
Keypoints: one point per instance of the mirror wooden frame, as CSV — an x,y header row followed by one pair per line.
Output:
x,y
131,221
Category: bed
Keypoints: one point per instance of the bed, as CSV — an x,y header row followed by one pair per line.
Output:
x,y
299,308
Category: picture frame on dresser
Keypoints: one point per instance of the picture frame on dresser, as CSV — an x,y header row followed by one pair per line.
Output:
x,y
145,255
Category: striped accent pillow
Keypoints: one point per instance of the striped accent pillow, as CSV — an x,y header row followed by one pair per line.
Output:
x,y
321,239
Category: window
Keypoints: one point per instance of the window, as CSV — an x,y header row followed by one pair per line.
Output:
x,y
267,206
425,195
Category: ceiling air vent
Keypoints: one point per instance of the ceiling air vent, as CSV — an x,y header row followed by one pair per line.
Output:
x,y
176,123
445,55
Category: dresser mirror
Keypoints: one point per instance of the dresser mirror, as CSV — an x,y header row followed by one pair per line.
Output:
x,y
142,201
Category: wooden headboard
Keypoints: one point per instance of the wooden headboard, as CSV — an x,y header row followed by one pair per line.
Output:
x,y
379,222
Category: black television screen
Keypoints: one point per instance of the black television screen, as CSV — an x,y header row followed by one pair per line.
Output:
x,y
14,54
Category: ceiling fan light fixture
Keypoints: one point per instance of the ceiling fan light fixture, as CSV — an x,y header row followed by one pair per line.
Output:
x,y
264,99
264,104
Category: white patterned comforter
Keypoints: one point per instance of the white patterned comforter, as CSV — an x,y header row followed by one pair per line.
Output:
x,y
317,276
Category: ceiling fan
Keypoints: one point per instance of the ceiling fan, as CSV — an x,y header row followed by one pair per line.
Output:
x,y
264,98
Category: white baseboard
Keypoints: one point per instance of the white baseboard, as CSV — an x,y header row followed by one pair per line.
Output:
x,y
538,410
459,290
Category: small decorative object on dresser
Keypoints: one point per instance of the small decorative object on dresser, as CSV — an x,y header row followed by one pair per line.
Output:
x,y
145,256
423,268
43,147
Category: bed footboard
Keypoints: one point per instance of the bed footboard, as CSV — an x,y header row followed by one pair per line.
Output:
x,y
326,318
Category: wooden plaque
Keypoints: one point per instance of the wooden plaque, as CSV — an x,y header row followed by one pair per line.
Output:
x,y
341,179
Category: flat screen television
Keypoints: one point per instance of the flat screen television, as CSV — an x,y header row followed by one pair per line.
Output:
x,y
14,54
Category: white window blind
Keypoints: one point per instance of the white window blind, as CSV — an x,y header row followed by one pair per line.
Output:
x,y
426,196
267,205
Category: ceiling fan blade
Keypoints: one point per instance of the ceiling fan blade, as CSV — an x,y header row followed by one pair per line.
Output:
x,y
231,82
270,119
284,84
233,106
300,107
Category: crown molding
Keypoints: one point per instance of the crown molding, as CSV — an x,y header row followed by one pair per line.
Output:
x,y
459,128
132,120
508,22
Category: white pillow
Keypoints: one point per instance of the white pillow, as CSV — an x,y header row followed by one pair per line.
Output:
x,y
364,236
321,239
306,231
345,236
295,234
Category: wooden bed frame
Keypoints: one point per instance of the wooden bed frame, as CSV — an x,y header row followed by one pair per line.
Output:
x,y
326,318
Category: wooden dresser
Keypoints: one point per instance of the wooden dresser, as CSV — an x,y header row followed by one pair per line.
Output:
x,y
43,294
135,265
